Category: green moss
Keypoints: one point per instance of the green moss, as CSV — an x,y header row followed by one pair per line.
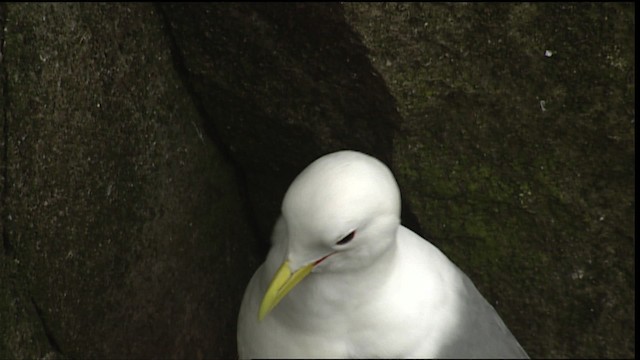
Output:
x,y
520,165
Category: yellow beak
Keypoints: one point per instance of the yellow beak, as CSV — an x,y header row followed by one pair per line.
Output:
x,y
281,284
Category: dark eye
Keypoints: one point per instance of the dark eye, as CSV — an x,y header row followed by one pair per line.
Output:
x,y
347,238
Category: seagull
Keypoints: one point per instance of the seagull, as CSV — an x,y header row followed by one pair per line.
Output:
x,y
343,278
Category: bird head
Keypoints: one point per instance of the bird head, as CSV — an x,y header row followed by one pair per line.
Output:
x,y
340,214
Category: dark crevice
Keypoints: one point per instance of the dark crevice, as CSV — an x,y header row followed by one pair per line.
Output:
x,y
47,332
209,124
4,148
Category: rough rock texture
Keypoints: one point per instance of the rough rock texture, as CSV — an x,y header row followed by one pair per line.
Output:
x,y
283,84
122,225
144,151
516,151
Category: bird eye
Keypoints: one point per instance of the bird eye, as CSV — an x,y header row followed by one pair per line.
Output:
x,y
347,238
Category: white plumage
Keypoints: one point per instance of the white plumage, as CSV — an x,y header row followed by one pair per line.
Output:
x,y
351,282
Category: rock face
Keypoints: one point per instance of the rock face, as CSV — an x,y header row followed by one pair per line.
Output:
x,y
288,82
516,151
144,152
122,221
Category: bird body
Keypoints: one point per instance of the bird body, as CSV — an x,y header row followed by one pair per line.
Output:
x,y
373,289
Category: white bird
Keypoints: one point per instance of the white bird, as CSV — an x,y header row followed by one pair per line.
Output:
x,y
343,278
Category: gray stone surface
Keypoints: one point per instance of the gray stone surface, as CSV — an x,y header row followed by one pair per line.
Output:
x,y
145,150
516,150
122,220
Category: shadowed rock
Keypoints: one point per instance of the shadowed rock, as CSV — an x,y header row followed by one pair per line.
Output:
x,y
145,149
